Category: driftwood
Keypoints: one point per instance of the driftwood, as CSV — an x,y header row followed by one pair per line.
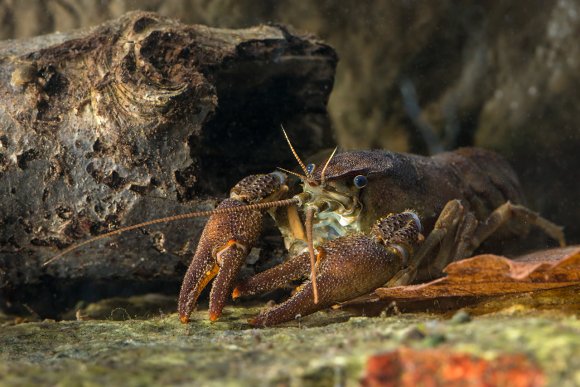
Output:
x,y
138,118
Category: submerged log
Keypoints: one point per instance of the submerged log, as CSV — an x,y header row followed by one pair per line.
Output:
x,y
139,118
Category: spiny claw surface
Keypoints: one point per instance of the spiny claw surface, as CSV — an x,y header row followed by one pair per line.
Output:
x,y
225,243
220,254
350,266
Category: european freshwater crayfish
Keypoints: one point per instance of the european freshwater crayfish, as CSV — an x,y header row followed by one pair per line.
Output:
x,y
362,220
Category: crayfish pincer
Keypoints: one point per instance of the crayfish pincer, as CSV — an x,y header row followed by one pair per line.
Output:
x,y
226,241
347,267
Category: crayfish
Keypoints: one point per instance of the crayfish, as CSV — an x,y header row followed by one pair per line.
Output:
x,y
364,219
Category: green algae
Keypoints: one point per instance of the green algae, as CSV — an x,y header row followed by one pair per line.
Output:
x,y
327,348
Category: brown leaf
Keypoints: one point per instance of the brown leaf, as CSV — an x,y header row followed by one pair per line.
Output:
x,y
441,367
492,275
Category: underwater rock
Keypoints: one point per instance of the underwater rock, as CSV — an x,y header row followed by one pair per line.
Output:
x,y
139,118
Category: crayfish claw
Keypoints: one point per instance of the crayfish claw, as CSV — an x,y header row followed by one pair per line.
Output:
x,y
274,278
350,266
220,254
226,240
301,303
200,272
231,260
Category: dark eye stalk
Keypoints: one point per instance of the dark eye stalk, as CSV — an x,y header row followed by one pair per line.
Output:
x,y
310,168
360,181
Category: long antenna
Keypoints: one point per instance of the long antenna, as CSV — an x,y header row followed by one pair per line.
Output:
x,y
294,153
309,216
322,177
249,207
302,177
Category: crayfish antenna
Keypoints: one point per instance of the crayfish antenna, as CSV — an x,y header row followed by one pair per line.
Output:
x,y
309,216
196,214
309,212
302,177
294,153
322,177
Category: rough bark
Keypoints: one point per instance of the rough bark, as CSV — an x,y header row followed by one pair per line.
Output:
x,y
134,119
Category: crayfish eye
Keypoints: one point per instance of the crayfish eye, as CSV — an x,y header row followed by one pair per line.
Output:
x,y
310,168
360,181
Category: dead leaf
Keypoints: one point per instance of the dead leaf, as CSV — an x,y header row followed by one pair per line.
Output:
x,y
492,275
442,367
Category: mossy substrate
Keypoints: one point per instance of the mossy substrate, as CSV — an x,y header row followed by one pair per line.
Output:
x,y
324,349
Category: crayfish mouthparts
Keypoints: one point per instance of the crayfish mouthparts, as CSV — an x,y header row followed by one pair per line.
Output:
x,y
302,198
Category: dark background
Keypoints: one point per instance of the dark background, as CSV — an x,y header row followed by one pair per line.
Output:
x,y
503,75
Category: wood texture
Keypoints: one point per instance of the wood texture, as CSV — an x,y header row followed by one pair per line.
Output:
x,y
138,118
